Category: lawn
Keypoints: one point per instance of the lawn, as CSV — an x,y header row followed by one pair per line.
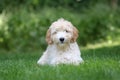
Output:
x,y
100,64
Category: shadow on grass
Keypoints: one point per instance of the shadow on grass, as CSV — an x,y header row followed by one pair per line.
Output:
x,y
103,52
20,55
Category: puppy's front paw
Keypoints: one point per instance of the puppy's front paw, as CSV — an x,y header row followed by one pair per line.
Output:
x,y
41,62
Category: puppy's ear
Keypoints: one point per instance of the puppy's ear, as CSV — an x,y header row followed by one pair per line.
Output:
x,y
48,37
75,35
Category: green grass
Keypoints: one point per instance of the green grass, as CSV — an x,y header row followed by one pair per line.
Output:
x,y
100,64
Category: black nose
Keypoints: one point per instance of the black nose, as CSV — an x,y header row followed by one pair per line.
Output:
x,y
62,39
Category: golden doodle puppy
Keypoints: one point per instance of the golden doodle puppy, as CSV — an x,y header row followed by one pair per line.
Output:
x,y
62,46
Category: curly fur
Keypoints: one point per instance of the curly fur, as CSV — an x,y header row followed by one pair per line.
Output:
x,y
62,46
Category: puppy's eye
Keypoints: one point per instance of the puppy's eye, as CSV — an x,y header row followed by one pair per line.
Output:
x,y
55,32
66,31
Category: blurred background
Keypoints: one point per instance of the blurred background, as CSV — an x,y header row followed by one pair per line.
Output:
x,y
23,23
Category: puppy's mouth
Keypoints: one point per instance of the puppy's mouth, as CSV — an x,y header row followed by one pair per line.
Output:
x,y
62,42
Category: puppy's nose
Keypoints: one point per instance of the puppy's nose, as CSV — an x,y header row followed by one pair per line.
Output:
x,y
62,39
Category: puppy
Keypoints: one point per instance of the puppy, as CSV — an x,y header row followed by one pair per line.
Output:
x,y
62,46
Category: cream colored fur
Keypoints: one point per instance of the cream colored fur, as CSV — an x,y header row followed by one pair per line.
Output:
x,y
62,46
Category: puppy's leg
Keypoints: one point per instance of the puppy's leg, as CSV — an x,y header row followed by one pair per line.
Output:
x,y
43,59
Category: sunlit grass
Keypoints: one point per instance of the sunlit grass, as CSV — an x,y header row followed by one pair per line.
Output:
x,y
106,43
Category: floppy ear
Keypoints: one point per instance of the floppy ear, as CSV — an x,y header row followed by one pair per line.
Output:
x,y
48,37
75,34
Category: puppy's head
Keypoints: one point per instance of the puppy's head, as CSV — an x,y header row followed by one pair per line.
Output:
x,y
61,32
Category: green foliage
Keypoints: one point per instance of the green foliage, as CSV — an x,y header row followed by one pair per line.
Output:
x,y
25,29
23,23
96,23
99,64
36,4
